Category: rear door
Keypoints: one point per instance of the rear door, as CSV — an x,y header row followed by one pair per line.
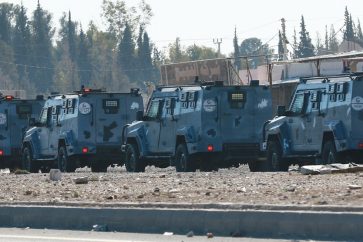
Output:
x,y
237,112
110,113
168,125
4,127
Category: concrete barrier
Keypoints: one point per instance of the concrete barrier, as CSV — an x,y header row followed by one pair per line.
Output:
x,y
253,223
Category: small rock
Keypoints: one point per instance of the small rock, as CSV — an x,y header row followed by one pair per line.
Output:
x,y
156,189
28,192
100,227
207,193
354,187
55,175
125,187
80,180
140,196
168,233
210,235
243,189
162,176
190,234
290,189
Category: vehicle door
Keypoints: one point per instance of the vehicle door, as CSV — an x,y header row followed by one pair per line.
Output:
x,y
237,114
21,114
44,129
109,116
168,125
153,124
296,121
313,120
54,129
4,127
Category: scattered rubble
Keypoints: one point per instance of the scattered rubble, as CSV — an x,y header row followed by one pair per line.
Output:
x,y
331,168
235,185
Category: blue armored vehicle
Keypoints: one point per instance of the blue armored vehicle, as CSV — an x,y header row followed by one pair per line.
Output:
x,y
204,127
324,124
78,129
14,116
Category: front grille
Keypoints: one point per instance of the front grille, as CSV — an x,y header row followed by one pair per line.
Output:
x,y
244,149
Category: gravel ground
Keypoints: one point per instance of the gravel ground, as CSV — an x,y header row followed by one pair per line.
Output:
x,y
235,185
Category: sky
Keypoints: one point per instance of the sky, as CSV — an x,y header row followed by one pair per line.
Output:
x,y
201,21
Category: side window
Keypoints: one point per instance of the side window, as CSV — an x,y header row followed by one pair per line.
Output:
x,y
170,106
315,100
43,116
297,107
154,109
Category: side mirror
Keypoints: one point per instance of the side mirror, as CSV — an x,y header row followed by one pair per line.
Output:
x,y
139,115
32,122
281,110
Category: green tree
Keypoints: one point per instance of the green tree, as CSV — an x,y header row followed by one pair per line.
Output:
x,y
256,49
176,54
22,44
66,77
305,47
83,60
117,14
236,53
359,34
126,51
42,74
147,61
6,15
295,45
195,52
8,72
348,23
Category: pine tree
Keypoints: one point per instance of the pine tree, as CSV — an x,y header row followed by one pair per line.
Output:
x,y
147,61
359,34
326,40
6,12
71,37
22,43
83,59
348,23
126,50
236,53
305,47
295,45
42,75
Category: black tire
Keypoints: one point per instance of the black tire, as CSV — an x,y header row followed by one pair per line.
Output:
x,y
99,167
28,162
329,154
65,164
183,162
254,166
133,162
275,162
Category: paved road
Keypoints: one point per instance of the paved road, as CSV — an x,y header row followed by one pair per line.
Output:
x,y
44,235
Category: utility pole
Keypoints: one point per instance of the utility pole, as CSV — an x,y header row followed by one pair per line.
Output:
x,y
218,42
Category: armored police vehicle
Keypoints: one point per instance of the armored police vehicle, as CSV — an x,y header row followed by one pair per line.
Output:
x,y
322,125
202,127
14,116
78,129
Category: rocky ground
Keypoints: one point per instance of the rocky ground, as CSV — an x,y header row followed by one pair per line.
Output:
x,y
235,185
